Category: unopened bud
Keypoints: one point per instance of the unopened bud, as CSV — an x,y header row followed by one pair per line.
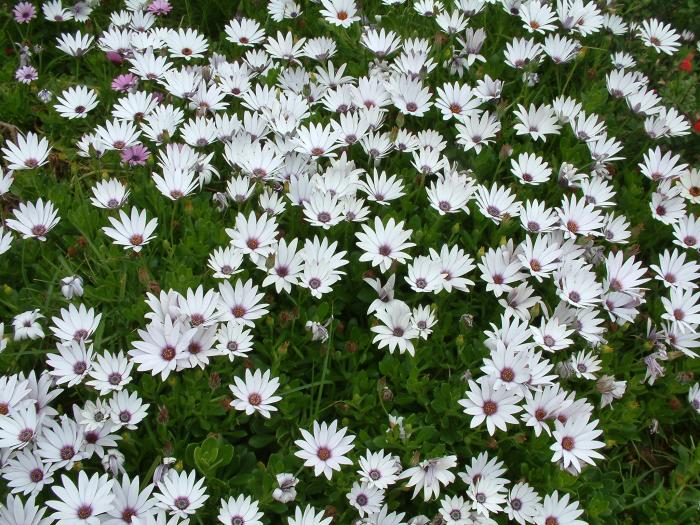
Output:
x,y
387,394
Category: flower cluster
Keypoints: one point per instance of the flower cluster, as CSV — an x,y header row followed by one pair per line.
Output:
x,y
431,188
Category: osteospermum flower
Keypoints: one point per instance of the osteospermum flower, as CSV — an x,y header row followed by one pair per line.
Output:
x,y
521,52
28,152
423,319
325,449
24,12
110,372
497,203
409,95
380,41
242,510
135,155
341,13
226,262
117,135
659,166
385,243
124,82
76,102
287,267
72,286
254,236
162,348
454,510
396,330
577,217
674,271
245,32
366,498
424,275
181,494
26,74
13,394
72,364
323,210
83,503
456,101
577,286
176,184
76,324
256,393
55,12
109,194
26,325
477,130
682,308
575,443
451,194
530,169
659,36
537,17
130,502
508,368
186,43
14,511
429,475
159,7
523,504
538,122
309,516
34,220
132,232
284,47
499,270
127,410
316,140
311,146
285,491
61,442
558,510
378,469
20,429
487,495
495,407
75,45
694,397
539,258
240,303
27,474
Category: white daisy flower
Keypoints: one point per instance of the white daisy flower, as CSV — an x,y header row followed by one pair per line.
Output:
x,y
131,232
34,220
181,494
325,450
256,393
495,407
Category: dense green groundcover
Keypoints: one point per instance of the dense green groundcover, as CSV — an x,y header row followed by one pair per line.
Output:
x,y
651,470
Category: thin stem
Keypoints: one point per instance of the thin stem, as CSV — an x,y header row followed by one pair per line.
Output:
x,y
329,349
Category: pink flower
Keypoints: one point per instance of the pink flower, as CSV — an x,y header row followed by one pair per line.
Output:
x,y
26,74
159,7
24,12
124,82
135,155
114,57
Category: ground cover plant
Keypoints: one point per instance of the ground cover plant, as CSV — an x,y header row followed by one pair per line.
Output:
x,y
380,262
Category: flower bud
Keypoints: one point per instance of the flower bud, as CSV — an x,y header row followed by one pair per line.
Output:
x,y
72,286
